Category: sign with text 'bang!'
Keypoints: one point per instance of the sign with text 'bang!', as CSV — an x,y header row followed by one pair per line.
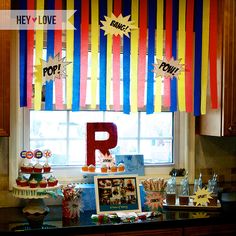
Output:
x,y
117,25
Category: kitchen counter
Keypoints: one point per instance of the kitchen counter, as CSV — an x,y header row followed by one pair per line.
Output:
x,y
178,222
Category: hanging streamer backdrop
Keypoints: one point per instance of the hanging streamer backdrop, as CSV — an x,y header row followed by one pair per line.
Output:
x,y
115,72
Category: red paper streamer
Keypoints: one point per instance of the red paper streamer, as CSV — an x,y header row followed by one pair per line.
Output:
x,y
30,55
213,54
116,61
58,49
84,50
189,56
142,52
168,50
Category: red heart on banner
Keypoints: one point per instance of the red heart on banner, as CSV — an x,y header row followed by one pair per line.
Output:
x,y
34,19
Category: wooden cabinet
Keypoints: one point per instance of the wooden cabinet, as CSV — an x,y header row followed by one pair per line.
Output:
x,y
4,77
159,232
222,122
225,230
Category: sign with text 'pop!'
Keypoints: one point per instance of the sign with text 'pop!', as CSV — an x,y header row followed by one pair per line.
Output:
x,y
53,68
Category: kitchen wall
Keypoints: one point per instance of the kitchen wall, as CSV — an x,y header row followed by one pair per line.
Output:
x,y
4,163
216,155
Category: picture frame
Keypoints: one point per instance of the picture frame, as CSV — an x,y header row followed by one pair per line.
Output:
x,y
117,193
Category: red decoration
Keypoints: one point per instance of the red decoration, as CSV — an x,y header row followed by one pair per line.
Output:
x,y
102,145
29,154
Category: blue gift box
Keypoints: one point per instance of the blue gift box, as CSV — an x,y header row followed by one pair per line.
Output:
x,y
88,196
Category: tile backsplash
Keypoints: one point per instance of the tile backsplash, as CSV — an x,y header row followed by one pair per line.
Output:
x,y
216,155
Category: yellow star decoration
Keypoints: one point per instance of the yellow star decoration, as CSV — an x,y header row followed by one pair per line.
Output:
x,y
202,196
168,68
200,215
52,69
117,25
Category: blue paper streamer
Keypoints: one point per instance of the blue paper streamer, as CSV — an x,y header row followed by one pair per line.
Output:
x,y
50,53
151,55
126,62
23,61
198,56
103,58
173,82
76,62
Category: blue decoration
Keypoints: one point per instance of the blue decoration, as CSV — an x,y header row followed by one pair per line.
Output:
x,y
50,53
198,57
173,82
151,55
76,62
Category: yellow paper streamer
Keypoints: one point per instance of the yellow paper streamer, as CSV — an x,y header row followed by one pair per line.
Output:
x,y
134,57
181,55
109,60
69,56
205,52
94,51
159,53
38,56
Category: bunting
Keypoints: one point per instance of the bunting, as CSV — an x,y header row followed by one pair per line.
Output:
x,y
113,51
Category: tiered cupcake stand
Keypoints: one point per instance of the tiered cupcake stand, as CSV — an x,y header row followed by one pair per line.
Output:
x,y
35,196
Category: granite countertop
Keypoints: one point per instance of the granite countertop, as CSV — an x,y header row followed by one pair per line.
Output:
x,y
12,221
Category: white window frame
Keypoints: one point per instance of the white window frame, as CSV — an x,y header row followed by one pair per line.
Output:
x,y
184,135
138,138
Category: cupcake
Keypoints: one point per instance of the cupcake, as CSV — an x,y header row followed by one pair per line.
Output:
x,y
38,168
114,168
23,182
52,181
46,168
33,183
121,167
91,168
18,180
43,183
85,168
23,167
104,168
29,168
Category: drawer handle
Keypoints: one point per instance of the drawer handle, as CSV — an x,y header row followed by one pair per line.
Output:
x,y
230,128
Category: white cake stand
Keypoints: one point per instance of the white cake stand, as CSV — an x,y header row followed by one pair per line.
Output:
x,y
35,196
35,210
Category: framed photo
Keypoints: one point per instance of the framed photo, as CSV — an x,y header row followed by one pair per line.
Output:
x,y
117,193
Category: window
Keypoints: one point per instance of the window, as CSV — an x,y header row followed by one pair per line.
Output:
x,y
182,137
64,133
